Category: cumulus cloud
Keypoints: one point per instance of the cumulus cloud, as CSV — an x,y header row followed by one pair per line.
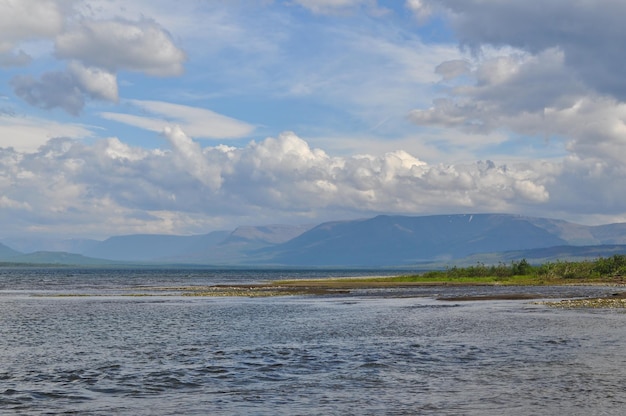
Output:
x,y
122,45
195,121
533,95
555,78
69,183
66,89
558,74
23,20
188,157
95,82
589,34
96,51
55,89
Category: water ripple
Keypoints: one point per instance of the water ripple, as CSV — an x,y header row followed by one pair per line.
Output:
x,y
285,356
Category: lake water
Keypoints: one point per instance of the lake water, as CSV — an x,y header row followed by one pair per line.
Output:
x,y
365,353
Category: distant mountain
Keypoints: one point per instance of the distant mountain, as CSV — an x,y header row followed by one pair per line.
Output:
x,y
60,258
153,247
579,235
396,241
78,246
402,240
218,247
270,234
241,246
7,252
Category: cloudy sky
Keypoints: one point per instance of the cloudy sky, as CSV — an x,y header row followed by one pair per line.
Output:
x,y
153,116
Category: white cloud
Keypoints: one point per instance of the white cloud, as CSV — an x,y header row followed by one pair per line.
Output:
x,y
27,134
535,79
22,20
196,122
188,157
96,82
69,185
421,9
11,204
336,6
122,45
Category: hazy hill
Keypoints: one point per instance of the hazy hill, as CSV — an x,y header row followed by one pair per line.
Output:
x,y
55,257
218,247
269,234
401,240
240,246
373,242
7,252
153,247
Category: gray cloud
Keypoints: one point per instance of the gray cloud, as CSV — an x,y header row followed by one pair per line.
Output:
x,y
505,86
10,59
590,34
66,89
55,89
97,49
452,69
122,45
555,72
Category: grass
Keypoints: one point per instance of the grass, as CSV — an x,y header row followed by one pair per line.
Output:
x,y
609,270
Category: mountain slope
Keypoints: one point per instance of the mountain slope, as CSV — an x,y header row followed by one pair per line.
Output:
x,y
152,247
218,247
7,252
374,242
397,240
58,257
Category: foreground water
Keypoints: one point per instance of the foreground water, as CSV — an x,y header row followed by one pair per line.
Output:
x,y
366,353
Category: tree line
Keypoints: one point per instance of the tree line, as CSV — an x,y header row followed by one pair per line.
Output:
x,y
609,267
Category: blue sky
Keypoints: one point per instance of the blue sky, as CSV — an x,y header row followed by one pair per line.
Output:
x,y
121,117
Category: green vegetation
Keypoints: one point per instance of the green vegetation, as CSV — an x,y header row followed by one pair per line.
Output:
x,y
601,270
609,270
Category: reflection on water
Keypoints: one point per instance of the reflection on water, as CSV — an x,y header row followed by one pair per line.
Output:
x,y
306,355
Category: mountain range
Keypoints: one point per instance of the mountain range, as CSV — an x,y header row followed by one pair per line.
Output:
x,y
381,241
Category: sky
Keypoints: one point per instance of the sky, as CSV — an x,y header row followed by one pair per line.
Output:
x,y
151,116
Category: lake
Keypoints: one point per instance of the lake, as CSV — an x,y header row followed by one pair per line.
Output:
x,y
72,341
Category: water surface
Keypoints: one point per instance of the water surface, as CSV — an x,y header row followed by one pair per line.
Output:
x,y
363,354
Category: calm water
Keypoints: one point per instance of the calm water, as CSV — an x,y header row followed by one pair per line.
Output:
x,y
361,354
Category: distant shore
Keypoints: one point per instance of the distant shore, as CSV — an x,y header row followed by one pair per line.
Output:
x,y
392,287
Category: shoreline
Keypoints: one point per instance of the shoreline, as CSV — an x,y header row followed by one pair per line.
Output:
x,y
352,286
561,294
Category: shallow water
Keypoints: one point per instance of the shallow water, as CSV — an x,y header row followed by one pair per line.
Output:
x,y
363,354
